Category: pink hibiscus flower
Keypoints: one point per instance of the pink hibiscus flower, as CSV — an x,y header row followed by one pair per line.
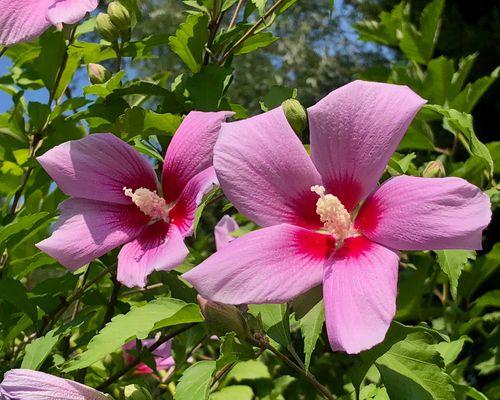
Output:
x,y
25,20
162,355
33,385
324,218
115,199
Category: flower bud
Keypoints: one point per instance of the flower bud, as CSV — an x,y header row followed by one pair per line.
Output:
x,y
434,169
223,318
106,29
119,15
295,115
136,392
98,74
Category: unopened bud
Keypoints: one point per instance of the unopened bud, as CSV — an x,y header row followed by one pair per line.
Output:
x,y
98,74
295,115
136,392
106,28
119,15
223,318
434,169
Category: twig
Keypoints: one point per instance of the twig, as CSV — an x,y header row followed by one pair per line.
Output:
x,y
309,377
63,306
136,361
251,30
235,15
213,28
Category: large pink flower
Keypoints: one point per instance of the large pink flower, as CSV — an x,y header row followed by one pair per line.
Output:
x,y
23,384
307,206
24,20
115,198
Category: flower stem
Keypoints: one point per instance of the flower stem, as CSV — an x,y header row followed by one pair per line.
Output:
x,y
308,376
235,15
136,361
251,30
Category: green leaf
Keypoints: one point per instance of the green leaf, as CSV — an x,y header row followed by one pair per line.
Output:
x,y
275,319
419,46
207,87
232,350
255,42
190,39
460,76
450,350
311,326
199,211
277,95
452,263
468,98
460,123
137,323
105,89
489,299
236,392
15,293
38,350
412,369
437,82
400,164
249,370
21,224
260,5
195,382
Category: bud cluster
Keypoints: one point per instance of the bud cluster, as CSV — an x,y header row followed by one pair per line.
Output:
x,y
115,23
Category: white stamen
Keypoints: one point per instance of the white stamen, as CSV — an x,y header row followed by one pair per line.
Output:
x,y
149,203
336,219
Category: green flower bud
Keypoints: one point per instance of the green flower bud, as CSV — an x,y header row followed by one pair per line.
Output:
x,y
223,318
119,15
98,74
136,392
434,169
105,28
295,114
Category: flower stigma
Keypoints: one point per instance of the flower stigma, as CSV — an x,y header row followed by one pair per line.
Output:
x,y
149,203
336,219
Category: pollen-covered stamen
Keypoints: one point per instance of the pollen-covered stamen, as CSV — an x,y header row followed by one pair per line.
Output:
x,y
149,203
336,220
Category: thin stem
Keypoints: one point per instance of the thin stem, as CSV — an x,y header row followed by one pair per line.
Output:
x,y
251,30
235,15
213,28
309,377
112,302
3,50
63,306
136,361
62,68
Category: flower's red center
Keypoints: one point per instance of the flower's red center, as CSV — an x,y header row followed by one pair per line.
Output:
x,y
149,203
336,219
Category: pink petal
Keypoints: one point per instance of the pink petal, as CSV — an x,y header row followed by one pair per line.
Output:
x,y
98,167
22,20
70,11
33,385
183,213
265,171
222,231
159,247
271,265
191,150
359,291
162,355
354,131
411,213
88,229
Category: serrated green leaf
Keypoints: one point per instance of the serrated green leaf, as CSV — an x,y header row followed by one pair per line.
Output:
x,y
15,293
255,42
452,263
21,224
236,392
311,326
195,382
413,369
450,350
190,39
277,95
137,323
249,370
275,319
232,350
